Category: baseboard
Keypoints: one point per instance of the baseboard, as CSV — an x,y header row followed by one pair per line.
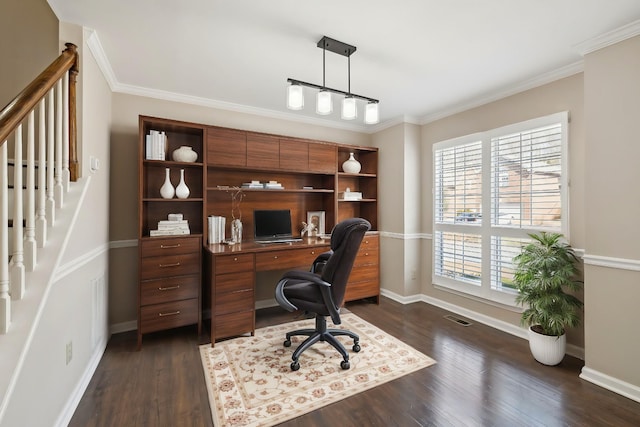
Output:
x,y
117,328
74,399
509,328
610,383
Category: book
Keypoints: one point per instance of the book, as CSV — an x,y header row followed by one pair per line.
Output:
x,y
216,229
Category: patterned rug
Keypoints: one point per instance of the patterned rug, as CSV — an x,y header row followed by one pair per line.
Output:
x,y
250,382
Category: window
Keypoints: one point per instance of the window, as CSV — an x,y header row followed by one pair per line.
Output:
x,y
490,191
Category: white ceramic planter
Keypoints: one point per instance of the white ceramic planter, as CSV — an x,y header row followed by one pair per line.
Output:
x,y
547,350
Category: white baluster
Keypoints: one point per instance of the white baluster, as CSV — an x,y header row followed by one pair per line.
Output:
x,y
16,268
41,214
30,210
66,175
51,204
5,298
58,169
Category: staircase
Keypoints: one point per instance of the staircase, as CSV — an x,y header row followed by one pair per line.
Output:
x,y
39,195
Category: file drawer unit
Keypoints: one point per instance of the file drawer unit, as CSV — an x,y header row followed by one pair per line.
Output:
x,y
169,288
364,280
232,296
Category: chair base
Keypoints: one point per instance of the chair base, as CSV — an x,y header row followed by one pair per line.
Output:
x,y
321,333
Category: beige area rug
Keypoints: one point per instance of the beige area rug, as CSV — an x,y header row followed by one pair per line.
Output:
x,y
250,382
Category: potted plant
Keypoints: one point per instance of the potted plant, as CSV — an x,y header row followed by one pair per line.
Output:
x,y
543,270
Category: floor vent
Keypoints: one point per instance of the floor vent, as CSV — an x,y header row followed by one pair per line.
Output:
x,y
458,320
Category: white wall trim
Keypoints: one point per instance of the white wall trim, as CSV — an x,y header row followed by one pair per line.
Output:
x,y
615,385
611,262
74,399
509,328
543,79
607,39
116,328
403,236
95,47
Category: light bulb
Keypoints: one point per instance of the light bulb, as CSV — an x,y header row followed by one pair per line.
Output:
x,y
324,105
295,97
349,108
371,113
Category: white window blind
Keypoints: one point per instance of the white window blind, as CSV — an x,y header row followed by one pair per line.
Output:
x,y
490,191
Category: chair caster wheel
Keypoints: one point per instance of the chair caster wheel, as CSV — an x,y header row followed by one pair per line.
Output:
x,y
287,343
295,366
356,348
345,364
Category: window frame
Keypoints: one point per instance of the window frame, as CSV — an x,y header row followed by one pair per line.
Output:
x,y
486,231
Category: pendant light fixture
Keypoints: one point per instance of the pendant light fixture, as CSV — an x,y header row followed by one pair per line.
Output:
x,y
324,104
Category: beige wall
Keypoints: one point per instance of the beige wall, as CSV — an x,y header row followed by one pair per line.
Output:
x,y
612,206
124,177
29,43
562,95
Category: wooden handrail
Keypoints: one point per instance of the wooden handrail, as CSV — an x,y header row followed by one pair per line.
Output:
x,y
15,111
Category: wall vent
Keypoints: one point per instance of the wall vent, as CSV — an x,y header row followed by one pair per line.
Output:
x,y
458,320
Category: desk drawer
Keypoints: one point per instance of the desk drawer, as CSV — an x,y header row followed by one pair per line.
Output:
x,y
169,315
288,258
169,265
370,288
233,263
179,245
234,282
233,302
229,325
169,289
367,256
369,273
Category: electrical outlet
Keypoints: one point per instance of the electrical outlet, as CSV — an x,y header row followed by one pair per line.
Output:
x,y
69,352
413,275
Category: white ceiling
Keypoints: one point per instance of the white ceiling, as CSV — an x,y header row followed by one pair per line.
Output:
x,y
420,58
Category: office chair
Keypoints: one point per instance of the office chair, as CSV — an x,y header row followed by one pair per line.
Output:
x,y
321,290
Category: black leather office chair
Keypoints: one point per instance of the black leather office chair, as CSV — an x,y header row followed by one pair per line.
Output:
x,y
321,290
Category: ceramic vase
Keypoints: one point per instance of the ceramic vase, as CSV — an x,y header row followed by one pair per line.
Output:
x,y
182,191
167,191
351,165
184,154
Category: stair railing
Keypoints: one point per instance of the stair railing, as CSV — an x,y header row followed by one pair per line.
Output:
x,y
53,92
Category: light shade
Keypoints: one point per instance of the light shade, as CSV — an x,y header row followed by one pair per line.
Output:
x,y
349,108
295,97
324,105
371,113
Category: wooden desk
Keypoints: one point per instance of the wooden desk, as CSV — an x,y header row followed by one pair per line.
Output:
x,y
230,272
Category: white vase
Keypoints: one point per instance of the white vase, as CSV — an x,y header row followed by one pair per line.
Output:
x,y
167,191
548,350
182,191
351,165
184,154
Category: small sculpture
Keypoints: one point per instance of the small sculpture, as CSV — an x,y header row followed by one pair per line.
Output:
x,y
308,229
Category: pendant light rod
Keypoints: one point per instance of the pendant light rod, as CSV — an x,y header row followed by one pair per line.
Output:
x,y
338,91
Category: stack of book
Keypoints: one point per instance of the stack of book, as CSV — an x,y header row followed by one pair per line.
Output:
x,y
156,144
252,184
273,185
352,195
217,226
175,225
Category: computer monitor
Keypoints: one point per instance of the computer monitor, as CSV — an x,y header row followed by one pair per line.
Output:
x,y
272,225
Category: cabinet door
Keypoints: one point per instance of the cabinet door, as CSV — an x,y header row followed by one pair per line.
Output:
x,y
226,147
294,155
263,151
322,158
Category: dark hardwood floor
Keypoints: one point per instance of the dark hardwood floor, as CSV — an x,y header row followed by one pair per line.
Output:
x,y
483,377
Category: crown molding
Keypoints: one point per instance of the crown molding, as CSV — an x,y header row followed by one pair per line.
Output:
x,y
542,79
607,39
95,47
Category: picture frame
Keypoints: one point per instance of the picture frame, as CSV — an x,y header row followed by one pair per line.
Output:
x,y
316,218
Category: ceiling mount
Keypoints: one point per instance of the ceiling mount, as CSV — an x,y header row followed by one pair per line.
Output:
x,y
324,105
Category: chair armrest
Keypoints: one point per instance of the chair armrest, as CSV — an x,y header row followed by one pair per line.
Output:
x,y
320,261
325,290
305,275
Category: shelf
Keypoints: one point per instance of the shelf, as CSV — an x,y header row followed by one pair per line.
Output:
x,y
169,163
358,175
266,190
174,200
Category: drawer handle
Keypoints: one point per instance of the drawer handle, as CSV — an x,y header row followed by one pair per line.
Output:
x,y
366,254
275,257
175,264
173,313
170,246
313,252
169,288
235,258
